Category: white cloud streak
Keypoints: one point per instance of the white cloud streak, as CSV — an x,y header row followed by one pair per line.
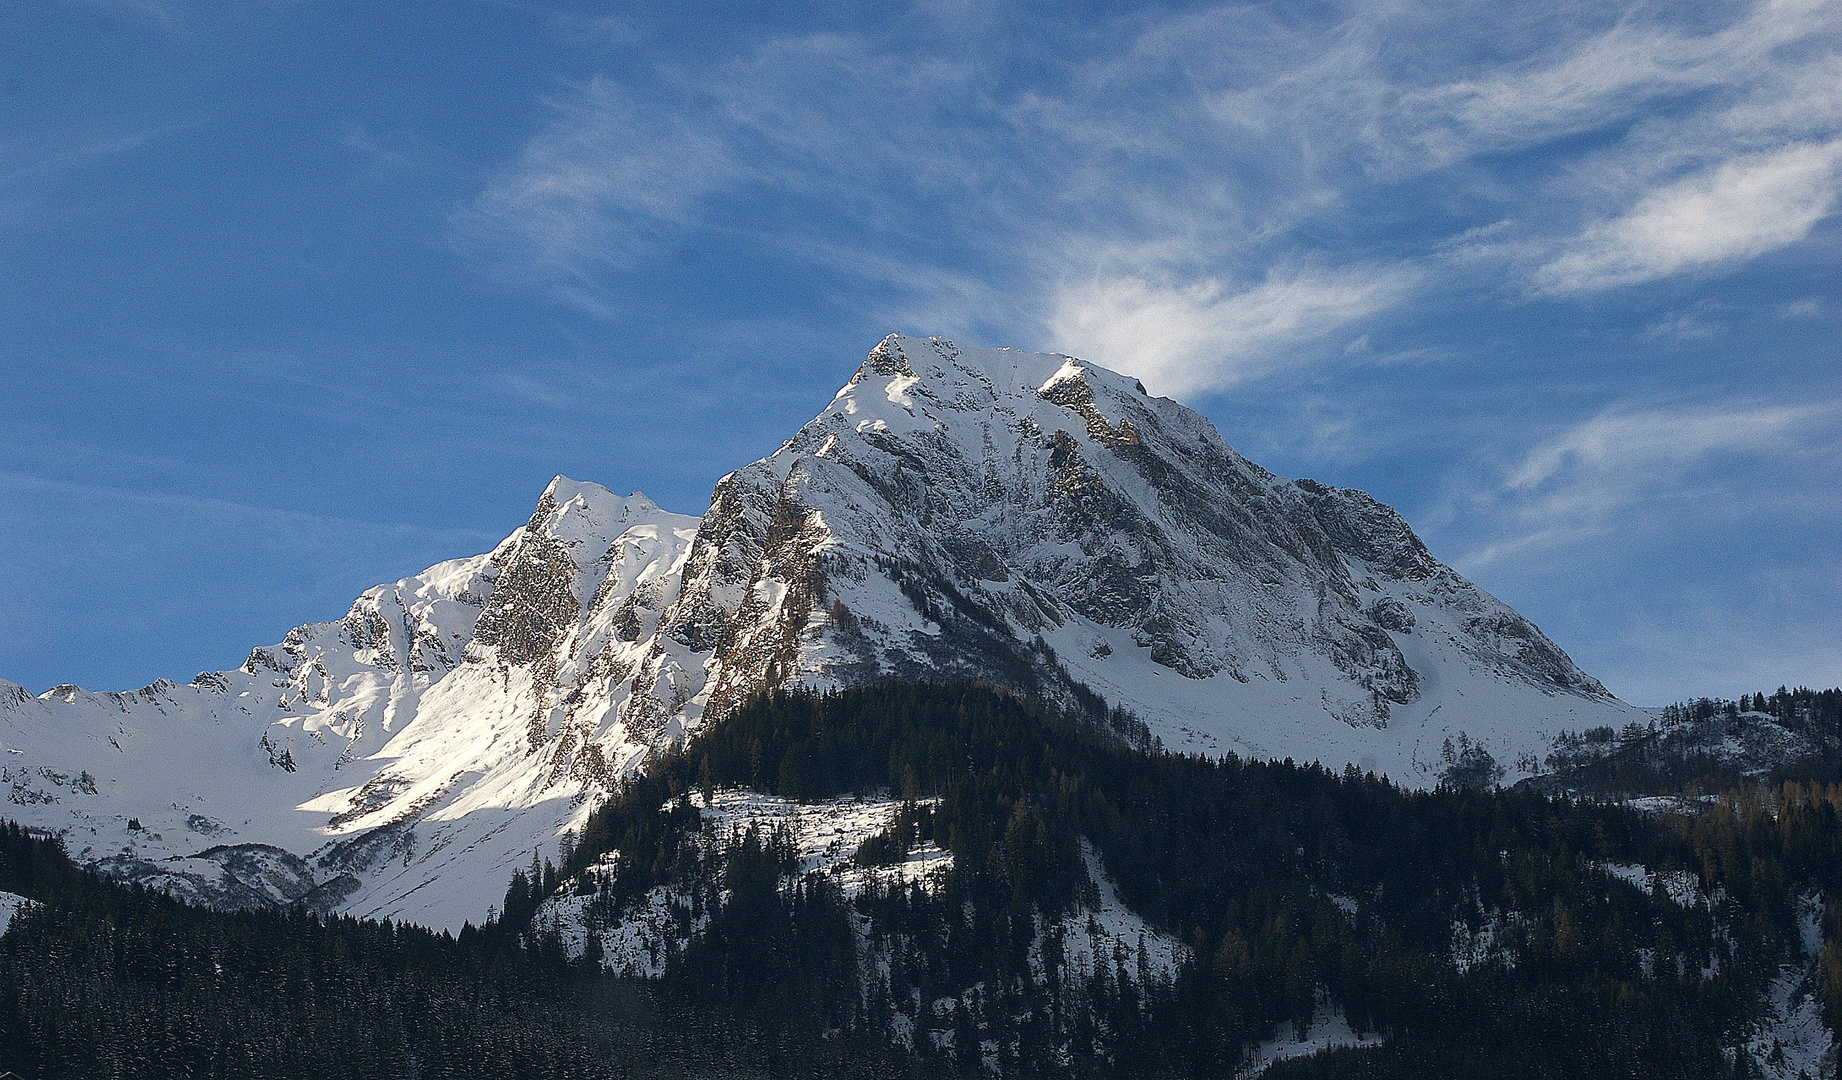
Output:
x,y
1737,210
289,526
1206,335
1629,470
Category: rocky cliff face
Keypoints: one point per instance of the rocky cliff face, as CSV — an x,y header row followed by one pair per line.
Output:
x,y
1031,520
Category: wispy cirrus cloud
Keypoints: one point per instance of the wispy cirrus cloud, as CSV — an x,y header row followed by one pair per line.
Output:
x,y
1725,146
1676,549
163,14
607,174
1588,79
23,160
275,524
1632,469
146,558
1149,191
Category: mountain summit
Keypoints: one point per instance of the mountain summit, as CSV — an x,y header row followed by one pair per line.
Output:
x,y
1029,520
1041,522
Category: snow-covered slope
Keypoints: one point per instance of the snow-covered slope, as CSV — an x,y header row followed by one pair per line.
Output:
x,y
1028,519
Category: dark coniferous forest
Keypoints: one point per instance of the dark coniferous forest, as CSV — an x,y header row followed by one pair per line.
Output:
x,y
1294,888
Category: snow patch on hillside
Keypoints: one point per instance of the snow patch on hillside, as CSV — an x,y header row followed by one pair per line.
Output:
x,y
1792,1042
1106,939
1329,1029
11,904
826,834
1681,887
1486,944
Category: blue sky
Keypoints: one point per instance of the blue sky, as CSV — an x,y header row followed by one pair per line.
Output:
x,y
300,297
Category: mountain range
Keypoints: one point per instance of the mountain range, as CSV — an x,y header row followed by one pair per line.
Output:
x,y
1030,521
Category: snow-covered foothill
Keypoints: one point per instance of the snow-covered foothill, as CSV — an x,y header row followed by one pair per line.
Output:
x,y
1098,938
401,762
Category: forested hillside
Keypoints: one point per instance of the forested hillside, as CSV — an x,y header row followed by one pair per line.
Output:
x,y
1460,932
106,981
1295,888
1705,746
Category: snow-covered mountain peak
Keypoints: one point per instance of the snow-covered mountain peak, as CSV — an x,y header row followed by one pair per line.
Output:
x,y
961,379
574,511
1041,521
11,693
933,387
1071,369
562,489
